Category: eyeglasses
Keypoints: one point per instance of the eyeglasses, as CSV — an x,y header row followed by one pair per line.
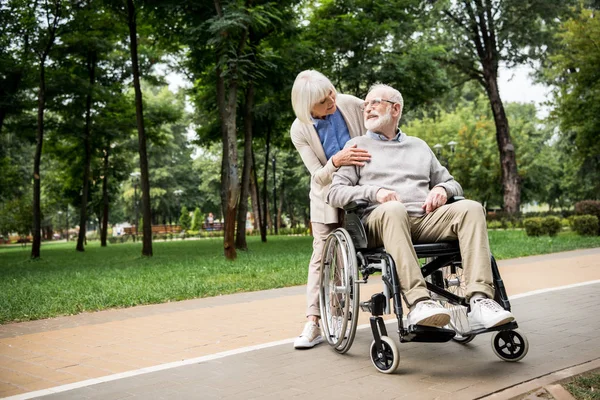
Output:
x,y
376,101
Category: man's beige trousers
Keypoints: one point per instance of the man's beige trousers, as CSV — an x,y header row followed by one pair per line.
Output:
x,y
389,225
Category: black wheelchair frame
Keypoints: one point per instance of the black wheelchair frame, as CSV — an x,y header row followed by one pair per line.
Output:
x,y
346,254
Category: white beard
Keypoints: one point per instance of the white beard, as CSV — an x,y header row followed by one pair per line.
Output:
x,y
375,124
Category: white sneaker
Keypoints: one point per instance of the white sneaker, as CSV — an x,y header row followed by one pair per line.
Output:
x,y
428,313
486,313
310,337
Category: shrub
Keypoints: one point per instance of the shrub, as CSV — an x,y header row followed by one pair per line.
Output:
x,y
588,207
494,225
197,221
551,225
185,221
112,239
533,226
585,224
92,235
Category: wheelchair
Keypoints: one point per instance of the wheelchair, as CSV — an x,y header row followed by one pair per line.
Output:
x,y
345,255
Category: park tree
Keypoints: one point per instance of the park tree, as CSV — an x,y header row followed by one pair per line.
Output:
x,y
18,31
219,46
374,41
132,24
86,58
197,220
207,167
471,158
49,17
185,221
482,35
169,153
572,70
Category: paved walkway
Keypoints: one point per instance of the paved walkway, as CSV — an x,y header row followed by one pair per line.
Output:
x,y
199,348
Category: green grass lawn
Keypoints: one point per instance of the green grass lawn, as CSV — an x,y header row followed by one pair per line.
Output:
x,y
65,281
585,387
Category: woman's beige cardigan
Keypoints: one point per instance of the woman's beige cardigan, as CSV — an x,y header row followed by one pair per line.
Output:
x,y
307,142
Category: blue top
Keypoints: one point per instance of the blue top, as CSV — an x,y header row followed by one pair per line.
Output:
x,y
333,133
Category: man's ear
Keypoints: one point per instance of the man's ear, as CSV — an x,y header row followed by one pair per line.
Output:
x,y
396,109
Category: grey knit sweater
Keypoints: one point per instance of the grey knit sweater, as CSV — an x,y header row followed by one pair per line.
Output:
x,y
406,166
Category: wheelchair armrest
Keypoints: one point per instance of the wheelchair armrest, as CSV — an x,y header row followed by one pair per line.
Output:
x,y
356,205
454,199
359,204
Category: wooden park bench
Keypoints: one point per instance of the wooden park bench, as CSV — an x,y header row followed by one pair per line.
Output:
x,y
23,241
155,229
215,226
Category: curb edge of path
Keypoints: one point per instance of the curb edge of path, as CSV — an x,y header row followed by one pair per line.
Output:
x,y
520,389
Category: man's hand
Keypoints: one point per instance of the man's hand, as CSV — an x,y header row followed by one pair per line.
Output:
x,y
437,197
351,156
384,195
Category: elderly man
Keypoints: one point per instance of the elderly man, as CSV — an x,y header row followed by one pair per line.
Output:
x,y
408,188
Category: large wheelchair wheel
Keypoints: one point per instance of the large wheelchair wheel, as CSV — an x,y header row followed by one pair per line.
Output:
x,y
339,291
454,282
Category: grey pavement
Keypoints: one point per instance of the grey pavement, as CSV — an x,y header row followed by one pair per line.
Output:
x,y
562,326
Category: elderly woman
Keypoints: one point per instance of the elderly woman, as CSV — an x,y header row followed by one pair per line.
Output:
x,y
325,121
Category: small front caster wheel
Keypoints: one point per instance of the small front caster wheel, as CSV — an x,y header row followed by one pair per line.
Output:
x,y
387,360
510,345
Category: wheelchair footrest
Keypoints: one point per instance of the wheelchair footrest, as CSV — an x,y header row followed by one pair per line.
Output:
x,y
506,327
429,334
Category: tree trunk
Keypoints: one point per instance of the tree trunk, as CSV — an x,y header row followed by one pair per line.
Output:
x,y
262,226
139,111
482,33
265,177
37,212
105,200
227,104
511,182
87,145
233,181
280,205
254,201
240,240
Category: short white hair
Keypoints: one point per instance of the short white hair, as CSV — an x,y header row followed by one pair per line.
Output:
x,y
394,95
310,87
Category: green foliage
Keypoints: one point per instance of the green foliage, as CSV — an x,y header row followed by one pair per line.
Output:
x,y
537,226
588,207
16,216
591,207
533,226
586,224
197,221
368,42
585,387
494,225
572,71
551,225
474,162
185,220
